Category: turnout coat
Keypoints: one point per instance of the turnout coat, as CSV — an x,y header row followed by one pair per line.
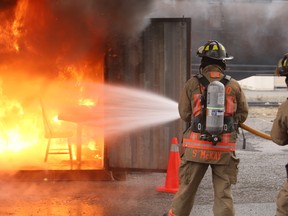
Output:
x,y
236,107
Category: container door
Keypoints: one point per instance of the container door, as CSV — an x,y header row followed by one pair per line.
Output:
x,y
159,62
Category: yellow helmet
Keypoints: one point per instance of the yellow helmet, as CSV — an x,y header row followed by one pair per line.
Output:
x,y
282,67
214,50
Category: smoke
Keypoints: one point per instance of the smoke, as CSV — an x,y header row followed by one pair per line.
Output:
x,y
65,32
85,26
68,31
253,32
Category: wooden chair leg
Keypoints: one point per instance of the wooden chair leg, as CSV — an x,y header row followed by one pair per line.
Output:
x,y
47,150
70,153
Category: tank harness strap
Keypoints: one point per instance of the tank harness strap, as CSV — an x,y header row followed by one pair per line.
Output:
x,y
203,80
225,79
198,124
228,120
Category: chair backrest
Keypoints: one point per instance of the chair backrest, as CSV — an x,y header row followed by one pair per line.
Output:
x,y
47,125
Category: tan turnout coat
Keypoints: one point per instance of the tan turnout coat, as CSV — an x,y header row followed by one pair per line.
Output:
x,y
187,106
279,135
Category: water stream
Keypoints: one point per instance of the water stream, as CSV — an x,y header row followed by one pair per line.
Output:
x,y
126,109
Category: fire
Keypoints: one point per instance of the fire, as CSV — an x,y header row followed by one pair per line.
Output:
x,y
44,60
86,102
17,25
15,125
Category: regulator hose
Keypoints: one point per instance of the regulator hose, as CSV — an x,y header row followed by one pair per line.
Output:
x,y
255,132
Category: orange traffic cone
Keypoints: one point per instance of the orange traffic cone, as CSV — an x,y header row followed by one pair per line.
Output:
x,y
172,179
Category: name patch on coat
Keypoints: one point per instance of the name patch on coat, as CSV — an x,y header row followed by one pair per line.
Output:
x,y
210,155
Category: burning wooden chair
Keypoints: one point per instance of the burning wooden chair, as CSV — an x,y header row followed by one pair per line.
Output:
x,y
52,133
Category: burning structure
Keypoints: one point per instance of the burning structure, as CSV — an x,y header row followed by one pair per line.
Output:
x,y
42,50
60,53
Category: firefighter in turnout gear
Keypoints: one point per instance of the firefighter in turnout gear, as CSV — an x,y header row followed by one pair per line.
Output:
x,y
279,135
202,147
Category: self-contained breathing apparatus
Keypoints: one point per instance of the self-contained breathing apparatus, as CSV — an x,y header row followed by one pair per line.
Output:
x,y
286,166
211,122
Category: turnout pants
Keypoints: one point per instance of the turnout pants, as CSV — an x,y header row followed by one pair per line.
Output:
x,y
282,201
191,173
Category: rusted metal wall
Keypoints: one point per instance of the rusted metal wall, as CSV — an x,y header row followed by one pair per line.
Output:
x,y
158,61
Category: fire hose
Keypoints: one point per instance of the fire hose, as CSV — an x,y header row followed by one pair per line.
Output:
x,y
255,132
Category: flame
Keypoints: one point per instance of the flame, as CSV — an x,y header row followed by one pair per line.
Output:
x,y
87,102
18,128
17,26
41,71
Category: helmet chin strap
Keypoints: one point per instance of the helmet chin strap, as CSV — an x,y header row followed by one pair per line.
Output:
x,y
224,61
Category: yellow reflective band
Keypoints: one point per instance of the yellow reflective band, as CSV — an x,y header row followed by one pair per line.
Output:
x,y
205,145
215,47
206,48
285,63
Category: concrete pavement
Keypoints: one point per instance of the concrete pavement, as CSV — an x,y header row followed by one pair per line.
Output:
x,y
246,209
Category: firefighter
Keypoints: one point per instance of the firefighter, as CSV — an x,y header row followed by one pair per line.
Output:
x,y
279,135
199,151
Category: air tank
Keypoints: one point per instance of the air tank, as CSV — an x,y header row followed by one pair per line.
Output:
x,y
215,108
